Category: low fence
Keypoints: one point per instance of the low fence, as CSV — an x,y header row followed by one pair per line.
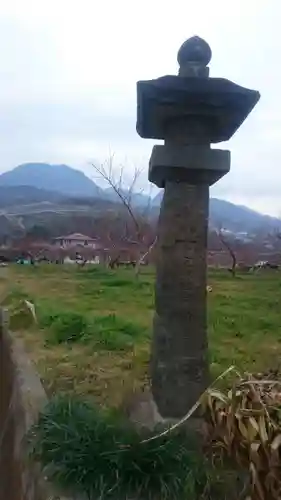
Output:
x,y
21,398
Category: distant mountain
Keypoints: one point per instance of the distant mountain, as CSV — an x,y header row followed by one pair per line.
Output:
x,y
138,199
19,195
235,218
58,178
40,187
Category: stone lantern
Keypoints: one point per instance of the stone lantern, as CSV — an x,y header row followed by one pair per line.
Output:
x,y
189,112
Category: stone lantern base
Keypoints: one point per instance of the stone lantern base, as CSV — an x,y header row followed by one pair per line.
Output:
x,y
142,412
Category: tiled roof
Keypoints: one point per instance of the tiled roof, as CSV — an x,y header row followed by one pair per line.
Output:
x,y
75,236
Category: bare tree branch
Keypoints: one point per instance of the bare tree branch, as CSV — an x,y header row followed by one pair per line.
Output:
x,y
230,251
141,260
139,220
109,178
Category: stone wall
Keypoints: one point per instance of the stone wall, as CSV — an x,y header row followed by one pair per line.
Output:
x,y
21,398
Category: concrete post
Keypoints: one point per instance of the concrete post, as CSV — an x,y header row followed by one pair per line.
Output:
x,y
189,112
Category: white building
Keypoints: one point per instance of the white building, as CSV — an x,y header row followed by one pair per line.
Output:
x,y
74,240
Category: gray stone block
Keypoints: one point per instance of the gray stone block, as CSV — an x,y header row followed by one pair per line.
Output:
x,y
192,164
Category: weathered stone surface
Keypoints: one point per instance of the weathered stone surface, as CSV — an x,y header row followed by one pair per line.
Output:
x,y
22,397
179,367
141,410
193,164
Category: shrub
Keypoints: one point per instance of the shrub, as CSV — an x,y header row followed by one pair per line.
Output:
x,y
87,450
94,272
108,332
66,327
119,282
47,319
114,333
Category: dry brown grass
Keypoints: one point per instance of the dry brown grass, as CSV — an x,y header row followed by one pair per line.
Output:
x,y
244,424
105,376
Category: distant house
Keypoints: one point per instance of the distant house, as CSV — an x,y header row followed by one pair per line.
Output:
x,y
75,240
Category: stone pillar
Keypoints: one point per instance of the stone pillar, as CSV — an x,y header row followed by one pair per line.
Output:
x,y
189,112
179,359
179,365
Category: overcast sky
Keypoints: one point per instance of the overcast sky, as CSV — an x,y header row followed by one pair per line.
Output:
x,y
68,73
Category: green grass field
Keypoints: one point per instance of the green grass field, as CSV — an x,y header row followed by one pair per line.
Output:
x,y
94,329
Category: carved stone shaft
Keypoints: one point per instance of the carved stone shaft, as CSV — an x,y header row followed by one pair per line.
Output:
x,y
179,367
